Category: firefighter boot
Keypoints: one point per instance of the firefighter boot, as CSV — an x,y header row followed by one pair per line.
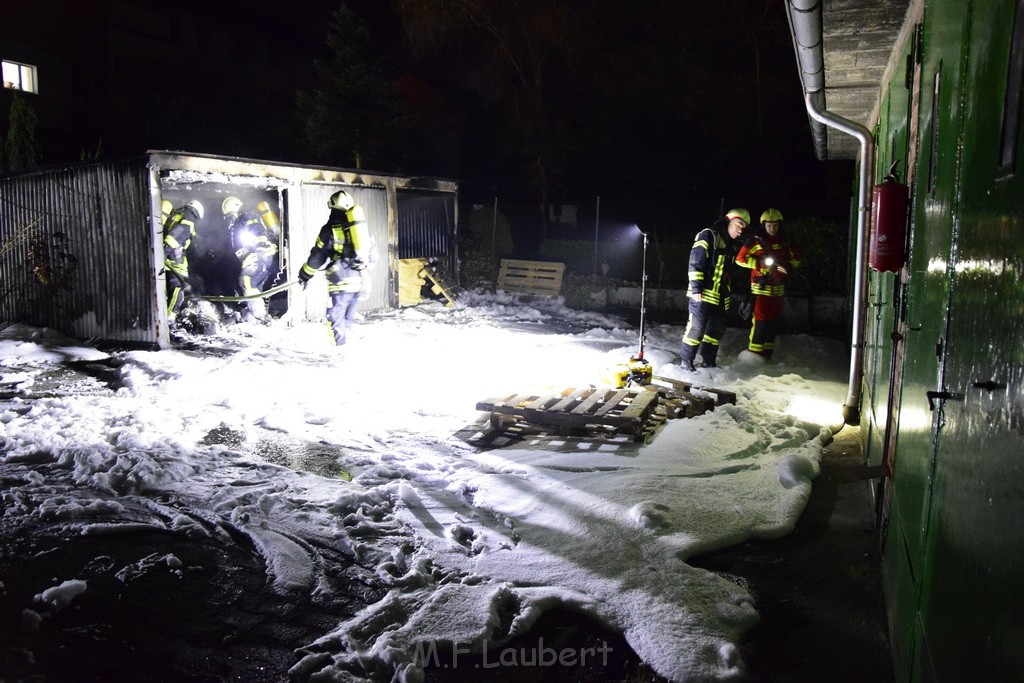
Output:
x,y
258,310
686,355
709,352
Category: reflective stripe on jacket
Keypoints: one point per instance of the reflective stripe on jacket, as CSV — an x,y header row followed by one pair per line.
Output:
x,y
341,250
250,236
767,280
179,230
709,267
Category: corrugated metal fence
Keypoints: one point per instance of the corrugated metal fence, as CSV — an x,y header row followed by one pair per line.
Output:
x,y
76,250
426,227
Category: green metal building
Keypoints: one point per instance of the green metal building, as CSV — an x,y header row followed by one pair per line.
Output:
x,y
937,369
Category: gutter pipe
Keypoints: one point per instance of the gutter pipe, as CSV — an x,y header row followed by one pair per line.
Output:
x,y
805,26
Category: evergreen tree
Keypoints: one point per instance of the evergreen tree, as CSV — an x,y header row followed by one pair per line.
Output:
x,y
22,144
356,118
526,56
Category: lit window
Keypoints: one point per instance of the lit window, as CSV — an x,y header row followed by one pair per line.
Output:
x,y
20,76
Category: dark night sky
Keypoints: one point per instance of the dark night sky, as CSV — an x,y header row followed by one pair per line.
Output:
x,y
657,101
677,98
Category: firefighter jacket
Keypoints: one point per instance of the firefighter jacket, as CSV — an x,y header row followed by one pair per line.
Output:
x,y
763,255
179,230
250,239
341,250
711,259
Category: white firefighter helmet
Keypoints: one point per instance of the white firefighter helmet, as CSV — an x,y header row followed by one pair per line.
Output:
x,y
341,200
231,205
195,204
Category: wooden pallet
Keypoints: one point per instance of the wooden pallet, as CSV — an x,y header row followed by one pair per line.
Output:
x,y
635,411
442,285
531,277
413,273
585,409
722,396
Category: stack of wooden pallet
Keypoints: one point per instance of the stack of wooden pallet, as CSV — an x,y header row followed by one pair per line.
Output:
x,y
636,411
589,408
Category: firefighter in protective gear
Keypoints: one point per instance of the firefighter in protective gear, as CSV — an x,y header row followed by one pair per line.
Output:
x,y
711,260
770,258
179,229
341,250
254,249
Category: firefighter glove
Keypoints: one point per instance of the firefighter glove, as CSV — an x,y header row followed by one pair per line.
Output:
x,y
746,308
303,279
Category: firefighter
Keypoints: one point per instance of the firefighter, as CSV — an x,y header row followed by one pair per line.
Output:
x,y
770,258
179,229
711,260
341,251
255,252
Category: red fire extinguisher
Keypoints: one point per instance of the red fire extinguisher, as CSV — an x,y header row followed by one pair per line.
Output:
x,y
888,248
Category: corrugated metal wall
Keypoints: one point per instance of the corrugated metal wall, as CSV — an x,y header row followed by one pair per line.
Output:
x,y
426,227
76,250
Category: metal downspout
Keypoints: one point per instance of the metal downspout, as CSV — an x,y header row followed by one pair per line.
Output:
x,y
851,409
805,26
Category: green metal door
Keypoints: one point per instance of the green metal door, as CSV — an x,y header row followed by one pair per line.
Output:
x,y
929,290
974,549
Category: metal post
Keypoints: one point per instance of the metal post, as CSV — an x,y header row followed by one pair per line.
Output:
x,y
643,298
494,225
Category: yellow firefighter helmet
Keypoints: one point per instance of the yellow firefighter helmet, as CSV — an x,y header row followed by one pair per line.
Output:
x,y
742,214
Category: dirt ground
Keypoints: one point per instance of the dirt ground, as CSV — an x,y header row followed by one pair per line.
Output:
x,y
818,590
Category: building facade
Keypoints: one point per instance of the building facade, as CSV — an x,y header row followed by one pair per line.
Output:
x,y
942,373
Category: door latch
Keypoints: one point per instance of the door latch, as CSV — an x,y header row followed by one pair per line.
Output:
x,y
942,396
989,385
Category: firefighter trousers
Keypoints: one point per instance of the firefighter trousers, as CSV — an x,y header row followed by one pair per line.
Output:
x,y
765,326
706,325
341,313
177,285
